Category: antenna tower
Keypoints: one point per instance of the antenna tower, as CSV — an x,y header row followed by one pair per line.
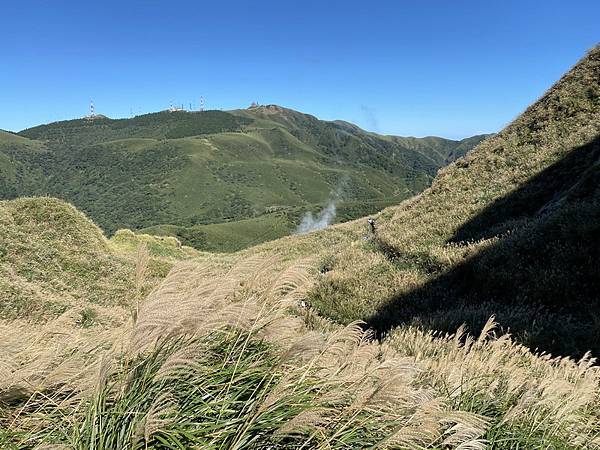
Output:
x,y
201,103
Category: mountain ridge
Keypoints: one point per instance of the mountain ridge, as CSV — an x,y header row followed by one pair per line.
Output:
x,y
463,318
176,173
510,230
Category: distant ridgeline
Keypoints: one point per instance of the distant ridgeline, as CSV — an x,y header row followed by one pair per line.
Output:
x,y
160,125
218,180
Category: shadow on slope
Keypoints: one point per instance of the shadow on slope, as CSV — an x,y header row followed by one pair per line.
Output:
x,y
539,274
542,193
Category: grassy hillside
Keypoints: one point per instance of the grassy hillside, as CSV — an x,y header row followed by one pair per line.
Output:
x,y
261,348
160,125
50,252
178,172
510,230
235,235
53,259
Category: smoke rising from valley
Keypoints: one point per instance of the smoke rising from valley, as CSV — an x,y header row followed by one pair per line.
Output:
x,y
370,115
326,216
321,220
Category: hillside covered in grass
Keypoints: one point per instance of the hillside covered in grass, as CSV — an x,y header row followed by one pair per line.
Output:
x,y
186,173
54,260
512,229
344,338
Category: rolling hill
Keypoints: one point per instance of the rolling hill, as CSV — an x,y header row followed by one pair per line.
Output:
x,y
206,176
339,338
54,260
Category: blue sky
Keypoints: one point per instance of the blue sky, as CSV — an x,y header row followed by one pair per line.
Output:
x,y
447,68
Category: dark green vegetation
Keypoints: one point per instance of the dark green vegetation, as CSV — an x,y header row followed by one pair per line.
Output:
x,y
217,180
512,229
160,125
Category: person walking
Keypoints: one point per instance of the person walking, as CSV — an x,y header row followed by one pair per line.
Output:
x,y
371,223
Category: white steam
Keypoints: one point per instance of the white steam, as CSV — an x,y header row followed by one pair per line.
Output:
x,y
326,216
323,219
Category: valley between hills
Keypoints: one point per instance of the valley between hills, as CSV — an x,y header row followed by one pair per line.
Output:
x,y
219,181
144,305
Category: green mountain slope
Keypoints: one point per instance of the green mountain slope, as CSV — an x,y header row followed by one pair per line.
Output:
x,y
160,125
180,172
513,230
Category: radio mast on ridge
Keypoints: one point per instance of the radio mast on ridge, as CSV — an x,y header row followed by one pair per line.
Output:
x,y
92,115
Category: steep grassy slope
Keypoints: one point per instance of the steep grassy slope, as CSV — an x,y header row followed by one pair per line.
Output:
x,y
176,172
511,230
51,255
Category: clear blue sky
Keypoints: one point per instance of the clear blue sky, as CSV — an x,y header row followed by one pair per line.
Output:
x,y
447,68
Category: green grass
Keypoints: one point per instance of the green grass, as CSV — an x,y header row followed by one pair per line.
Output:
x,y
88,317
53,258
50,256
181,171
165,247
228,236
510,230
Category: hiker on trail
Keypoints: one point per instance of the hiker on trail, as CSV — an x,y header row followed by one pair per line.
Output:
x,y
371,222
